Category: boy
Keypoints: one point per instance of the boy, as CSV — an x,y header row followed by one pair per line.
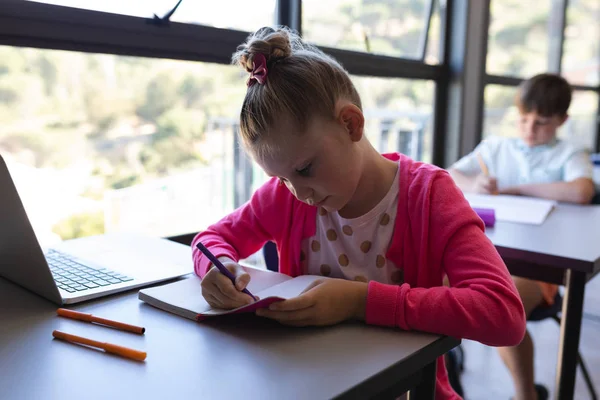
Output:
x,y
535,164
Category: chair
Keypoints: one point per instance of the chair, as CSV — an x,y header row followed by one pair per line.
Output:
x,y
542,313
455,361
271,256
455,365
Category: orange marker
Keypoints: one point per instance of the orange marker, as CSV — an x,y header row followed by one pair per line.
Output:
x,y
108,347
63,312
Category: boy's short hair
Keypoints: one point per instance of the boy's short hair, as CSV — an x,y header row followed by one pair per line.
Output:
x,y
545,94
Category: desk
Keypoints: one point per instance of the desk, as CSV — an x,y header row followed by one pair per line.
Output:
x,y
244,357
565,249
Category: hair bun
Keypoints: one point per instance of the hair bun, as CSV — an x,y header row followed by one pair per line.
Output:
x,y
274,44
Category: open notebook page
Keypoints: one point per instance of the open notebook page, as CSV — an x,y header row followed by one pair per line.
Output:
x,y
520,209
284,290
185,299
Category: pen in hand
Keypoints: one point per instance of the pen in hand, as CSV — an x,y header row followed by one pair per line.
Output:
x,y
221,267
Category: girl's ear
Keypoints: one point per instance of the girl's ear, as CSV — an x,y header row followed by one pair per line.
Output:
x,y
353,120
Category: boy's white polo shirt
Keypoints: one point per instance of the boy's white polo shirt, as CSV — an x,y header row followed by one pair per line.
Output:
x,y
514,163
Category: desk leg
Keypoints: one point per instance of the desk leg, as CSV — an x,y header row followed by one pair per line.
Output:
x,y
425,390
570,328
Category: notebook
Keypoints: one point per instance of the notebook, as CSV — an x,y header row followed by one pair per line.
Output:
x,y
184,297
519,209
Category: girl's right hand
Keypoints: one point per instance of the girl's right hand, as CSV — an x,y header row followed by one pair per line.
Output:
x,y
220,292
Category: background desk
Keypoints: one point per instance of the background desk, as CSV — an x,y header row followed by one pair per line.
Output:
x,y
230,358
565,249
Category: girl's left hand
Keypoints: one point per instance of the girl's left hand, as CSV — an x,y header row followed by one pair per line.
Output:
x,y
324,302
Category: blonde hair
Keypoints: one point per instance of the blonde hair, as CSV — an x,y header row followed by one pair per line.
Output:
x,y
302,82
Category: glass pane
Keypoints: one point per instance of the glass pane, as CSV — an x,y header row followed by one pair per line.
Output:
x,y
518,38
501,115
248,16
581,125
398,114
385,27
100,143
581,56
433,53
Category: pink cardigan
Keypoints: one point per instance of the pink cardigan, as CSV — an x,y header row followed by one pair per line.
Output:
x,y
436,233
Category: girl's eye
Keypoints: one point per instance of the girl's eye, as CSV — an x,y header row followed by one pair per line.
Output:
x,y
304,171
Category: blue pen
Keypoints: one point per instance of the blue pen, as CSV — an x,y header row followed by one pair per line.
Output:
x,y
221,267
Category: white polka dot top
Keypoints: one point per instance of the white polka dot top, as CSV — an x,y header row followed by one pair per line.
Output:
x,y
355,248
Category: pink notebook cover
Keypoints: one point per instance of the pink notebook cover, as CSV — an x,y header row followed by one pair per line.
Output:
x,y
250,308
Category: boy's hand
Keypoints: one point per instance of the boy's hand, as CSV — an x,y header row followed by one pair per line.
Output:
x,y
324,302
485,184
218,290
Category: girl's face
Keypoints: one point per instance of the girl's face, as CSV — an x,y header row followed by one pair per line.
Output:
x,y
322,166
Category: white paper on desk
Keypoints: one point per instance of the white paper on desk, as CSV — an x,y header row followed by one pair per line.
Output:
x,y
520,209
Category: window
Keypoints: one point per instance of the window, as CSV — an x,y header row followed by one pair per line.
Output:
x,y
434,51
398,114
392,28
113,143
581,57
580,128
500,113
107,143
518,38
248,15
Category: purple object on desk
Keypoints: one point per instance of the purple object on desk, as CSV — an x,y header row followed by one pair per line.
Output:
x,y
488,215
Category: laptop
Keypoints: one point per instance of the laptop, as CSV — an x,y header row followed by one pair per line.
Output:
x,y
81,269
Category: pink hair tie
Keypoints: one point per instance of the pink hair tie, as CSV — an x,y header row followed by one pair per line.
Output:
x,y
259,71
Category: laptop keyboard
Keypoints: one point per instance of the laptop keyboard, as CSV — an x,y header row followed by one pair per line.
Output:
x,y
74,277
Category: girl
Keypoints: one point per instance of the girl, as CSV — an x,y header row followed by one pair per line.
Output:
x,y
387,227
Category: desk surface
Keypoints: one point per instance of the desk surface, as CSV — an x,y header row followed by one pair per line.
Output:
x,y
240,357
569,238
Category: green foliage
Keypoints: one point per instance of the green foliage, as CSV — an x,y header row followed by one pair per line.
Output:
x,y
161,94
178,133
393,27
80,225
